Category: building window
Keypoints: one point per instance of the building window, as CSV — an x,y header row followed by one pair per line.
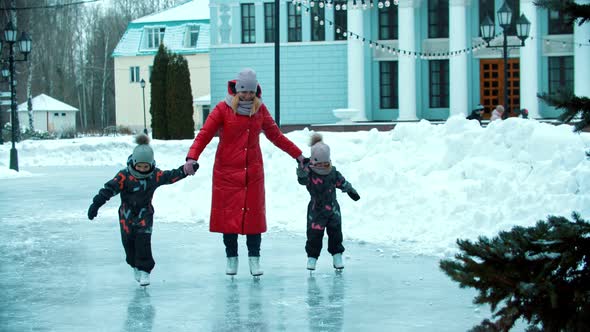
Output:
x,y
439,83
388,84
134,74
388,23
192,35
486,9
559,24
438,18
561,74
515,8
294,23
269,22
155,37
318,31
55,114
63,114
248,23
340,21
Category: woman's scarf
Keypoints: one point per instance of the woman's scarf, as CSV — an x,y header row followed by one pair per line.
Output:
x,y
244,107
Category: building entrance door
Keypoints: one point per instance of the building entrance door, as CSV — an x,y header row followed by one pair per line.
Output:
x,y
491,85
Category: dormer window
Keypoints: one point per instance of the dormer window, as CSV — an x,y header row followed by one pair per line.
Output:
x,y
192,35
154,37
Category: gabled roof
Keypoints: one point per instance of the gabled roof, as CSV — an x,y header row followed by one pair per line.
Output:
x,y
190,11
43,103
176,22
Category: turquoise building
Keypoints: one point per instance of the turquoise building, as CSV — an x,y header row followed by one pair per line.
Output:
x,y
396,61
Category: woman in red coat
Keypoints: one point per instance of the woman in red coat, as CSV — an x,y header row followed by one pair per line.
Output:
x,y
237,205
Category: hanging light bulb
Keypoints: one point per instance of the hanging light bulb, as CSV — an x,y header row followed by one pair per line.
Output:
x,y
380,5
312,4
337,7
387,3
316,18
337,30
321,4
322,22
344,6
396,2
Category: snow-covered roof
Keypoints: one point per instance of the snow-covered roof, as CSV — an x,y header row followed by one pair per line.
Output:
x,y
44,103
176,22
174,39
190,11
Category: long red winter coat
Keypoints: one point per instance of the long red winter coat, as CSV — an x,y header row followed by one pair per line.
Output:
x,y
237,205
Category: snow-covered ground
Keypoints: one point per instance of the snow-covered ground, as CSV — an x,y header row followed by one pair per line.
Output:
x,y
422,185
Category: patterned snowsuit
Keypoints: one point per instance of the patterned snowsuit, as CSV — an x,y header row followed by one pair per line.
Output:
x,y
323,211
136,211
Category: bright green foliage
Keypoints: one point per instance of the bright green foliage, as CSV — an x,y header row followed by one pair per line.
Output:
x,y
540,274
179,99
158,94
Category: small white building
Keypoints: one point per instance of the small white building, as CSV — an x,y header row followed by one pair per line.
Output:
x,y
49,114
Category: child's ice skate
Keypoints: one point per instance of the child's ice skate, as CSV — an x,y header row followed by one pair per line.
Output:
x,y
136,274
231,268
311,262
144,278
337,261
255,270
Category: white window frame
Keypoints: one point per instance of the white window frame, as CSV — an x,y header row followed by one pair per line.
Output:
x,y
190,30
134,76
153,36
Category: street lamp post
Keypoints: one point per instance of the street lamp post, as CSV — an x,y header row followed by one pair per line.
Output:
x,y
142,84
24,45
488,28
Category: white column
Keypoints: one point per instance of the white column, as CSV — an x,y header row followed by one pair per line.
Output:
x,y
529,62
582,57
356,62
407,64
459,92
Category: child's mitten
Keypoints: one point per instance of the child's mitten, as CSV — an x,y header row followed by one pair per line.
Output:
x,y
189,167
354,195
92,211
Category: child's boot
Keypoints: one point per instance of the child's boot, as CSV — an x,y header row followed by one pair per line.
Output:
x,y
337,260
311,263
136,274
144,278
232,266
255,266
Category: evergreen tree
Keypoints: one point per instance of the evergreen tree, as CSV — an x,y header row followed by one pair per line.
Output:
x,y
573,106
179,99
158,94
540,274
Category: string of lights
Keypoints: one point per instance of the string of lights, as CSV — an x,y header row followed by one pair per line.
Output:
x,y
380,46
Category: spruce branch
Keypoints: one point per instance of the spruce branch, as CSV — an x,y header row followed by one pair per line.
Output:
x,y
572,105
576,12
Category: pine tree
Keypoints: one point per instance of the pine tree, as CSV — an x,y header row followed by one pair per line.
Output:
x,y
540,274
158,94
573,106
179,99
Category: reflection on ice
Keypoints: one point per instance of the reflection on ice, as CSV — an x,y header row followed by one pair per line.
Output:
x,y
140,312
325,313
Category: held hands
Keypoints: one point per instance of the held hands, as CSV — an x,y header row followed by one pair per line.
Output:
x,y
354,195
190,167
302,169
92,211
